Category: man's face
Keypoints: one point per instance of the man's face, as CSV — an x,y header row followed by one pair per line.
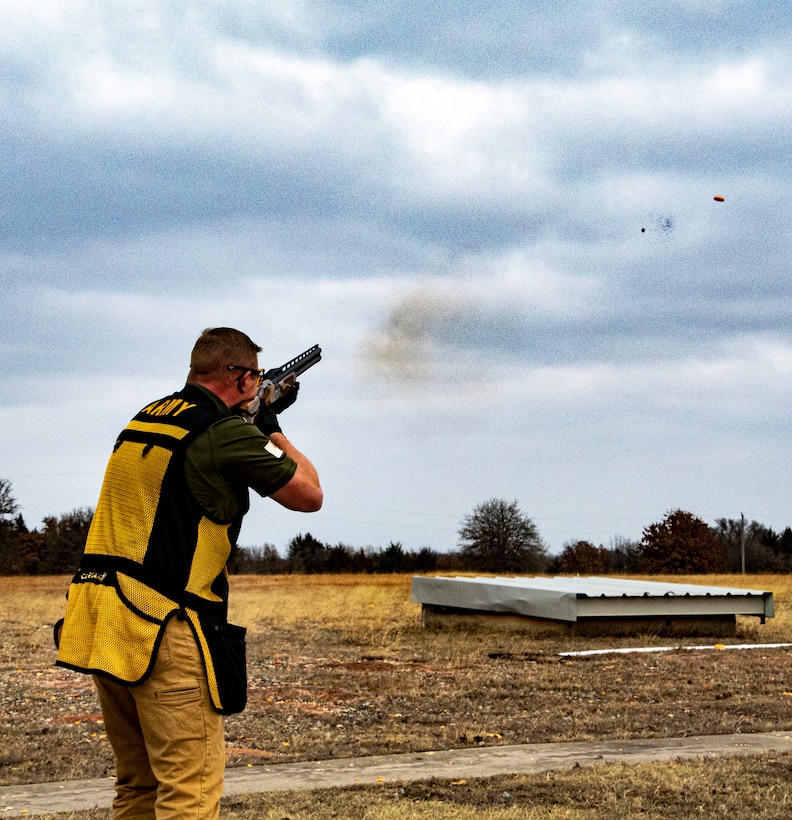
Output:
x,y
248,379
253,379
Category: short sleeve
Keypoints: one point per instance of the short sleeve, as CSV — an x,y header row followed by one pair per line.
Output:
x,y
230,457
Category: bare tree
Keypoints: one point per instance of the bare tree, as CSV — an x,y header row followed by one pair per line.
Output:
x,y
497,537
63,541
8,504
10,531
763,550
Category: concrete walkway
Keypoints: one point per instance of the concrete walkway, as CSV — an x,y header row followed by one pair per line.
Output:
x,y
46,798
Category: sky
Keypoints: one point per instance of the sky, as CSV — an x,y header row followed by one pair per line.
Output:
x,y
497,219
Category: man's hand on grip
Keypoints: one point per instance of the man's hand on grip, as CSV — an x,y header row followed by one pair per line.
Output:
x,y
287,398
267,421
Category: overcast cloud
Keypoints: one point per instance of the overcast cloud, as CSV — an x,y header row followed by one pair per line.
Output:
x,y
497,220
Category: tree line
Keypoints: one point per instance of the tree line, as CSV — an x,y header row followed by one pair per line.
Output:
x,y
497,537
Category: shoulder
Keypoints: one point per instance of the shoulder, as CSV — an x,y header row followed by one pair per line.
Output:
x,y
238,438
186,405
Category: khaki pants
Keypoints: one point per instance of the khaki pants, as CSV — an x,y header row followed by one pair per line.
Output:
x,y
167,739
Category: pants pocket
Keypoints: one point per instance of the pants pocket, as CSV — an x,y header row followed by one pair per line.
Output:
x,y
177,697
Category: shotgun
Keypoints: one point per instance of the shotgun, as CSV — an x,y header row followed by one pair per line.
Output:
x,y
279,381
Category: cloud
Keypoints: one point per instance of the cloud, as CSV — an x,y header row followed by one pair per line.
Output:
x,y
545,38
497,222
241,128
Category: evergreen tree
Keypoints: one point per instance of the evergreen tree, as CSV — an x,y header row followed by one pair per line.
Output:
x,y
584,558
307,555
681,544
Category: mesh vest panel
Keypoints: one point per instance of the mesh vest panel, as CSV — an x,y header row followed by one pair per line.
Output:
x,y
151,549
128,502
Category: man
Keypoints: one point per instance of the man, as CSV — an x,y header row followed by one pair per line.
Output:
x,y
147,609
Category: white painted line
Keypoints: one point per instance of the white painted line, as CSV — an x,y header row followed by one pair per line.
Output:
x,y
626,650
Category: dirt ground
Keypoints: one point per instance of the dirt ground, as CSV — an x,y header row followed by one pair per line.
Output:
x,y
320,690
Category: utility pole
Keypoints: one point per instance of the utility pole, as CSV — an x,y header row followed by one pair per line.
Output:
x,y
742,541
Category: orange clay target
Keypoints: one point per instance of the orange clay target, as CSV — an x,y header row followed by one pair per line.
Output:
x,y
718,198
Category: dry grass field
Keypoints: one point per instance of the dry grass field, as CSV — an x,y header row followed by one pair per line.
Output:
x,y
339,666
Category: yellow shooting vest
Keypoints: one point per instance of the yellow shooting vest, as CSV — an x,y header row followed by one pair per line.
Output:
x,y
152,553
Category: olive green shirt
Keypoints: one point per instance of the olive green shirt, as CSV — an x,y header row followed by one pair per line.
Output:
x,y
229,457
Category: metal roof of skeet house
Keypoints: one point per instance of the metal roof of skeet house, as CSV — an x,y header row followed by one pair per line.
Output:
x,y
594,600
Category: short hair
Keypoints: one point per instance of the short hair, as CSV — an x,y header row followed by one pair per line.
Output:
x,y
217,347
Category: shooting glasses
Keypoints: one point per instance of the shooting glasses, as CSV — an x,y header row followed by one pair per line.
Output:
x,y
259,374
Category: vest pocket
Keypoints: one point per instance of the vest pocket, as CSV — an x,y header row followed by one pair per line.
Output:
x,y
225,659
143,600
102,634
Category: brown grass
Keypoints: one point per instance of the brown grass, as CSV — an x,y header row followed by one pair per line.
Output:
x,y
340,667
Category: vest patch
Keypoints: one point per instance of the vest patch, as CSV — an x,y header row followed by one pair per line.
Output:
x,y
167,407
